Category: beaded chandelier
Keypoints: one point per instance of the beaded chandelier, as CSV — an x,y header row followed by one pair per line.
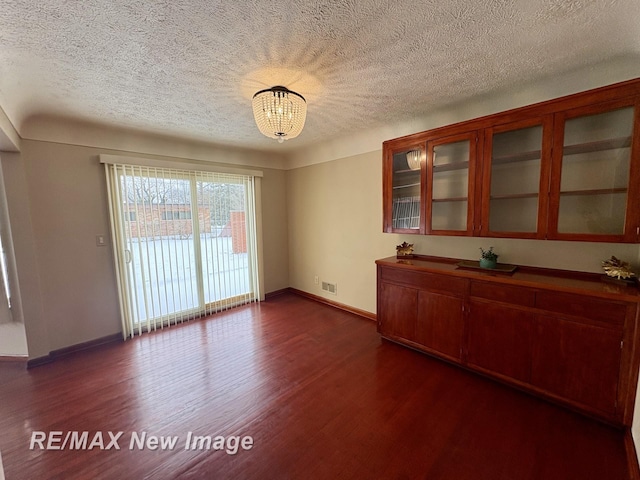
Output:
x,y
279,112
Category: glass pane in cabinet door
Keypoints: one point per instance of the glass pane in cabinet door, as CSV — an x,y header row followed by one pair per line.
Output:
x,y
595,173
450,186
406,190
515,180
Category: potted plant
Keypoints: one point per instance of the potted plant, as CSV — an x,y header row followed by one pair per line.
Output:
x,y
488,259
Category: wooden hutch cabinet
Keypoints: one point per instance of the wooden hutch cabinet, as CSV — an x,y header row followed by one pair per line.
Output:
x,y
566,169
595,185
516,171
566,336
450,184
404,170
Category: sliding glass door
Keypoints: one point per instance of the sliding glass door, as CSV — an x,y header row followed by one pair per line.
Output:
x,y
185,243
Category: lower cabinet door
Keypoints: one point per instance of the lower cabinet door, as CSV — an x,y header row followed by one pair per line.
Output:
x,y
398,310
500,339
440,323
577,361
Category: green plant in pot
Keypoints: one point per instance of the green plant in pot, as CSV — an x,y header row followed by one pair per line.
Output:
x,y
488,259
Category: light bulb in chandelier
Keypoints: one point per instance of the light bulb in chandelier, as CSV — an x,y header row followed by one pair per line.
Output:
x,y
279,112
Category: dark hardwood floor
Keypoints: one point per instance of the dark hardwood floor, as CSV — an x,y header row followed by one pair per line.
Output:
x,y
322,396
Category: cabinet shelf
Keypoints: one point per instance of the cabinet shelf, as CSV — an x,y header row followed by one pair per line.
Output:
x,y
447,167
600,191
514,196
517,157
600,146
409,185
529,172
452,199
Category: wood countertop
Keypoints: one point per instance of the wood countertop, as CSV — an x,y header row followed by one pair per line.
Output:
x,y
544,278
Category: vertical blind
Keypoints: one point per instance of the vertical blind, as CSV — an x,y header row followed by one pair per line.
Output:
x,y
185,243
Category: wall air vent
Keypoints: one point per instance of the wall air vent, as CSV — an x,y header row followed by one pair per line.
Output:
x,y
330,287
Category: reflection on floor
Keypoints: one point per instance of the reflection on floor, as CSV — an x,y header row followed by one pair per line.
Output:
x,y
315,388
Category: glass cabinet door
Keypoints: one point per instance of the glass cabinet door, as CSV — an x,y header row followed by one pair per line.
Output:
x,y
451,167
404,203
515,172
592,172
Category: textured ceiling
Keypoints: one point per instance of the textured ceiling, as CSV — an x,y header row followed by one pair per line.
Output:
x,y
188,68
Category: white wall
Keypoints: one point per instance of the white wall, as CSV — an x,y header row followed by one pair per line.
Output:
x,y
9,138
546,88
58,204
334,198
335,225
334,203
27,305
335,228
85,134
13,340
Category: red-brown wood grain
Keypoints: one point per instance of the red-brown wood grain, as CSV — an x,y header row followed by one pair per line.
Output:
x,y
440,323
566,336
500,339
580,362
631,221
322,396
551,115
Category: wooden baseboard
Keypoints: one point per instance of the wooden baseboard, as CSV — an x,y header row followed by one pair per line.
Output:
x,y
117,337
338,305
632,456
39,361
63,352
282,291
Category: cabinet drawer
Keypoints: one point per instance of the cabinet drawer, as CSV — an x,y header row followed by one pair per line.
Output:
x,y
503,293
582,306
424,281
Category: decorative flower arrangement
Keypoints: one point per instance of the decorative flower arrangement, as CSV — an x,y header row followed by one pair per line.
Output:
x,y
404,250
488,258
489,254
616,268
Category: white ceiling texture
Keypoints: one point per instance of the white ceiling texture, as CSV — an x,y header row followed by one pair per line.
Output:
x,y
188,68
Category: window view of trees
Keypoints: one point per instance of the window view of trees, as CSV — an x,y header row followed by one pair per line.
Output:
x,y
158,207
170,269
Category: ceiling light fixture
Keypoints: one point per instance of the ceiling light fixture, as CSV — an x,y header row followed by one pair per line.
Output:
x,y
279,112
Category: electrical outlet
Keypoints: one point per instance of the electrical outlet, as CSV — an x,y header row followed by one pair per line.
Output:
x,y
316,280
